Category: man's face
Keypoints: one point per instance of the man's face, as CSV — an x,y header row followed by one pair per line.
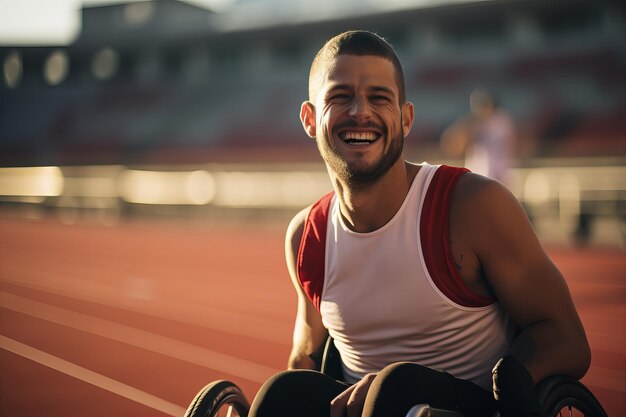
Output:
x,y
359,124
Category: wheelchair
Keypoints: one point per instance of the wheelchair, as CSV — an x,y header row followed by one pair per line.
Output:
x,y
559,395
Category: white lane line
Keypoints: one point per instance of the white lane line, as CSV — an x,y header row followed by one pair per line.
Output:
x,y
91,377
185,311
139,338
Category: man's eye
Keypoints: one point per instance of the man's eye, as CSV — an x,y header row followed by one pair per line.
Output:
x,y
339,97
380,99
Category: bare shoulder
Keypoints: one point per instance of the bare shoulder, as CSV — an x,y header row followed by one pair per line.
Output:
x,y
490,222
480,204
475,191
296,228
293,238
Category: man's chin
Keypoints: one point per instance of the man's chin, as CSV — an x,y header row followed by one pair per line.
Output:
x,y
359,171
364,174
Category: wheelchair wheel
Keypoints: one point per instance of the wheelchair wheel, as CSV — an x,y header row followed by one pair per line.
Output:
x,y
219,399
564,396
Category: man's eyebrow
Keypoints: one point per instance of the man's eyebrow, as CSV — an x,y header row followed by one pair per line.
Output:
x,y
339,87
383,89
375,88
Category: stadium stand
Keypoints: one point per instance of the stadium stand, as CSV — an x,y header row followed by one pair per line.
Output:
x,y
253,80
166,83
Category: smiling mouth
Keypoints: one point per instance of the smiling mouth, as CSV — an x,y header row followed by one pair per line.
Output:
x,y
358,137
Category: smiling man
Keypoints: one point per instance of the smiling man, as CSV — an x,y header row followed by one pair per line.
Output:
x,y
429,278
359,141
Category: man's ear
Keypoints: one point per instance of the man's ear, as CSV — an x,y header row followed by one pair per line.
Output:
x,y
307,117
408,114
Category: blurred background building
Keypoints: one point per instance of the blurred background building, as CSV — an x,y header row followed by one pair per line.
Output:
x,y
167,107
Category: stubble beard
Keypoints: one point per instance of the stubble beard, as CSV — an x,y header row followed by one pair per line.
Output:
x,y
360,175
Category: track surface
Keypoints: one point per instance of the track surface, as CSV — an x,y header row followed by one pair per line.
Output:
x,y
133,319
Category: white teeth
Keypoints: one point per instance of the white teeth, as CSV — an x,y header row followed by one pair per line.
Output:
x,y
367,136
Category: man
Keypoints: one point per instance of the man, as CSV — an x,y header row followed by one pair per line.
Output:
x,y
485,138
412,269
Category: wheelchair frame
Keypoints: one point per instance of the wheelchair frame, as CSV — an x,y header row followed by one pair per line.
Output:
x,y
555,394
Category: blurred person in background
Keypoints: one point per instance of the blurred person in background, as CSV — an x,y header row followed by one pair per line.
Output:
x,y
429,279
485,138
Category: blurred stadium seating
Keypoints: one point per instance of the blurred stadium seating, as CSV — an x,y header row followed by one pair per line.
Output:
x,y
166,86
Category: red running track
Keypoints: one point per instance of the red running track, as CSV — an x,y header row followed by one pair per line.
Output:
x,y
133,319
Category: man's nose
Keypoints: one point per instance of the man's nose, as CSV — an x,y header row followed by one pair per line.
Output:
x,y
360,108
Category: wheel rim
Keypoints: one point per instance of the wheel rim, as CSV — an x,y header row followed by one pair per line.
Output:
x,y
570,407
227,410
231,406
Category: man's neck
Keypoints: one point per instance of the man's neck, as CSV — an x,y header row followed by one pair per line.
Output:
x,y
368,208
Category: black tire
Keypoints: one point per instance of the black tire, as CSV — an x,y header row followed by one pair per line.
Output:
x,y
559,393
214,397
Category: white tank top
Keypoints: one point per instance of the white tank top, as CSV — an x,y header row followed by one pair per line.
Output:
x,y
381,305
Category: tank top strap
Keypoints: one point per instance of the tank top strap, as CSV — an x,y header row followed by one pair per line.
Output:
x,y
312,252
434,230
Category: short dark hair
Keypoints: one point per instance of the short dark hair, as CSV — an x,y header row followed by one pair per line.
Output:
x,y
354,42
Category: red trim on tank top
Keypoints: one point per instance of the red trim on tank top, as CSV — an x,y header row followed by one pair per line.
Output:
x,y
434,232
310,268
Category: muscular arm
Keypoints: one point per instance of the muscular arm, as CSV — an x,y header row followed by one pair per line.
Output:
x,y
309,334
527,284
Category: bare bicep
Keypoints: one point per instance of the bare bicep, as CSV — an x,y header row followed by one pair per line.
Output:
x,y
522,276
309,333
